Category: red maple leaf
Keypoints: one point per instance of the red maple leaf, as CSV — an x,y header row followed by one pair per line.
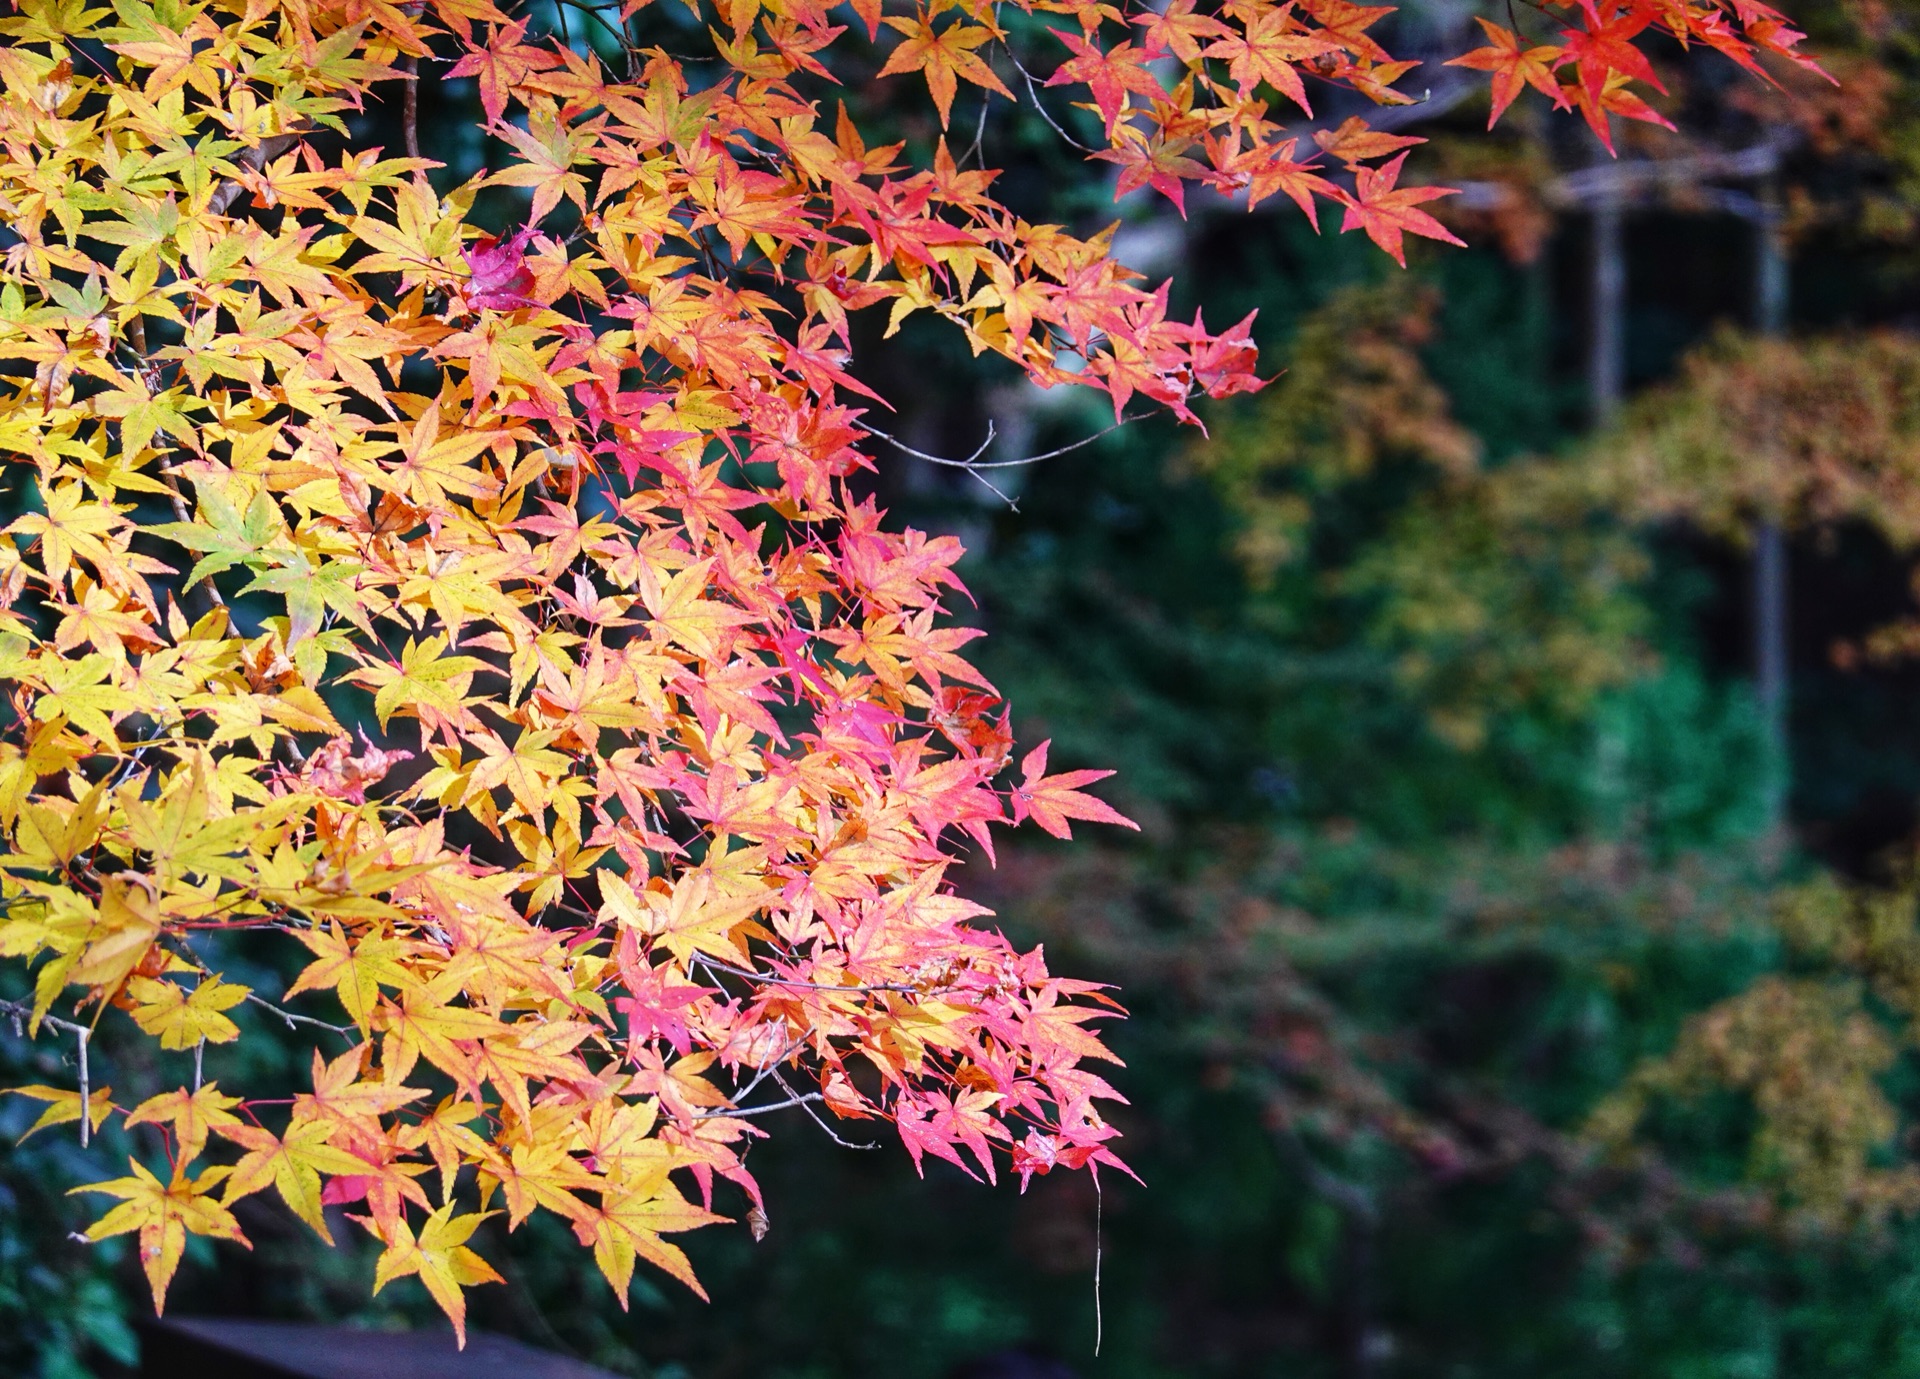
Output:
x,y
1606,46
1109,73
1387,212
1513,67
500,278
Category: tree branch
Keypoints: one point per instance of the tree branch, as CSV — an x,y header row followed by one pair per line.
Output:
x,y
974,465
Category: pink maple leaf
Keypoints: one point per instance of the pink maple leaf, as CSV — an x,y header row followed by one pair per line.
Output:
x,y
500,277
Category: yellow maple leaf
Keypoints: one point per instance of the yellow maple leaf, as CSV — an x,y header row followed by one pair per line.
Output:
x,y
191,1114
630,1223
180,1018
439,1255
353,970
292,1163
164,1214
124,929
694,917
64,1106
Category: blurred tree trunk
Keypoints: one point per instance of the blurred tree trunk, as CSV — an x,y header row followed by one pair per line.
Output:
x,y
1607,308
1770,544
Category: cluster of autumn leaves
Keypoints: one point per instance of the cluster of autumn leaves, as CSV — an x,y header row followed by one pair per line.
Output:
x,y
676,747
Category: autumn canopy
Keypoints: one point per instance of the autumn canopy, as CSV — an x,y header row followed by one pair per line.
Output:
x,y
498,621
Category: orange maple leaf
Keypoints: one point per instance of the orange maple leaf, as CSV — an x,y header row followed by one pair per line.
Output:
x,y
944,56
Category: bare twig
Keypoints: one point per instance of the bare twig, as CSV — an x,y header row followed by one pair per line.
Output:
x,y
973,464
344,1031
743,1112
21,1010
974,152
86,1101
626,44
1045,114
829,1131
770,979
1099,1208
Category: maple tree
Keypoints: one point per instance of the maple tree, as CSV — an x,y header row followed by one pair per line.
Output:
x,y
576,510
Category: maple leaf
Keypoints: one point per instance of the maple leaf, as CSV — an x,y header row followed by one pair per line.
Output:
x,y
1052,800
549,150
64,1106
164,1214
944,57
439,1256
292,1163
542,1175
655,1008
192,1116
180,1018
1109,73
1267,50
1177,29
70,525
629,1224
434,465
1605,46
1348,23
677,610
690,918
500,64
353,969
446,1136
121,934
1615,99
1387,212
424,683
1354,142
1273,169
340,1099
940,1125
500,279
1513,67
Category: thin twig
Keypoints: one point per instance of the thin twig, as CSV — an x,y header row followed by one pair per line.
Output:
x,y
770,979
973,464
20,1010
742,1093
979,134
626,44
344,1031
828,1130
742,1112
1045,114
84,1036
